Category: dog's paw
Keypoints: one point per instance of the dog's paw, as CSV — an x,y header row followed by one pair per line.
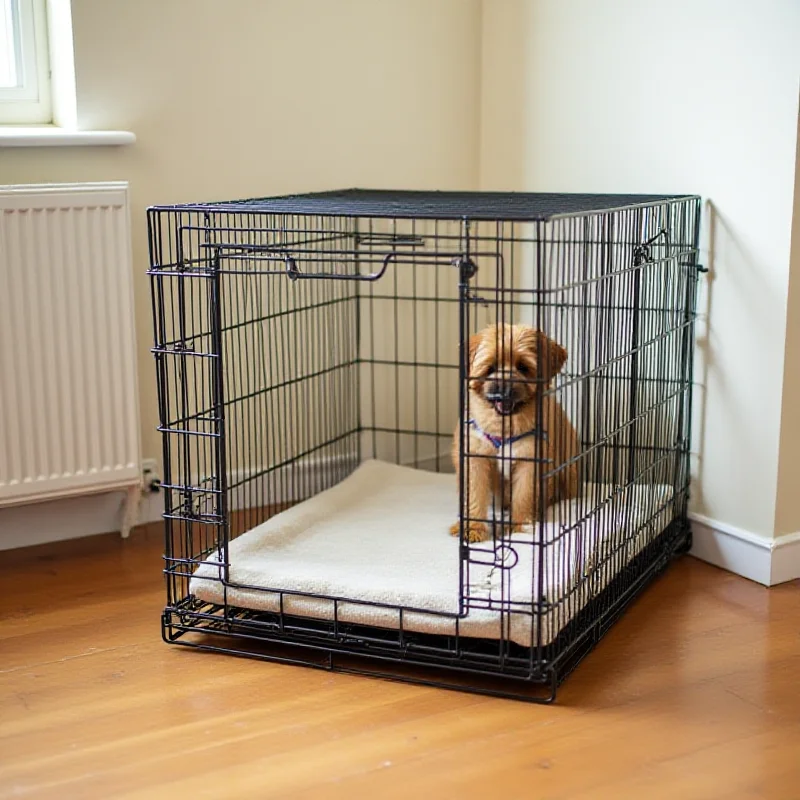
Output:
x,y
522,527
475,531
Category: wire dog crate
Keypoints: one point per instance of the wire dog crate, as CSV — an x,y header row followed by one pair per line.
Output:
x,y
343,377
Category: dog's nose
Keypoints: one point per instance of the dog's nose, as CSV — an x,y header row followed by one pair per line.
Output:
x,y
500,390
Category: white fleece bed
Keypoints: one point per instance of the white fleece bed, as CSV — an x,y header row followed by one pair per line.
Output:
x,y
381,535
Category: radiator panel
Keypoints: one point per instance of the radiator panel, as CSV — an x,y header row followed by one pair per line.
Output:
x,y
69,420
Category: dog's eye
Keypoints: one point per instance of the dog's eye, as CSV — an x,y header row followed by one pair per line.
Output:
x,y
523,369
492,369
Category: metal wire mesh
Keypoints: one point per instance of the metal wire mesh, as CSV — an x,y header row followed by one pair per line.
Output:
x,y
485,206
295,338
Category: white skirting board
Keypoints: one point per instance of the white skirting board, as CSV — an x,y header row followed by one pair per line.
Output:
x,y
60,520
759,558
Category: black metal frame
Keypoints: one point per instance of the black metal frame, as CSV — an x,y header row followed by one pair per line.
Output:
x,y
315,329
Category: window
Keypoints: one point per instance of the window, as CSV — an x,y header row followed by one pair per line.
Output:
x,y
24,62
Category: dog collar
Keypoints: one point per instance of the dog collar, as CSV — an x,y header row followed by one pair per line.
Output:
x,y
499,442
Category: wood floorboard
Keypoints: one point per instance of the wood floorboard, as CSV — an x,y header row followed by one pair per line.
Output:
x,y
694,694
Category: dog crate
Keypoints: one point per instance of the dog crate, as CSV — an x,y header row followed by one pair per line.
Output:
x,y
314,360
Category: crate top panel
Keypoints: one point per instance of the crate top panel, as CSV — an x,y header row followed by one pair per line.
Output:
x,y
483,206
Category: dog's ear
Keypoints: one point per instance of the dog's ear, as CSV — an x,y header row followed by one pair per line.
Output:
x,y
474,343
552,356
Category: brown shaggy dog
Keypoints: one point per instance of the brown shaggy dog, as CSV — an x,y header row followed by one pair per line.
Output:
x,y
509,366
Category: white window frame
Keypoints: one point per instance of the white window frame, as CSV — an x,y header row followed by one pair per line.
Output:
x,y
31,101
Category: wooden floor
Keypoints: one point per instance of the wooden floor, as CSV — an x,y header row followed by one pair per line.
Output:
x,y
694,694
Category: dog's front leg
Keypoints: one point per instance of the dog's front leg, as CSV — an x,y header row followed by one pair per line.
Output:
x,y
479,490
524,495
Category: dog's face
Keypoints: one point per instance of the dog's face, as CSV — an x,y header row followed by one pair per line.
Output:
x,y
509,364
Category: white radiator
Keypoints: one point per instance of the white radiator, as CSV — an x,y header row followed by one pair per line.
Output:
x,y
69,421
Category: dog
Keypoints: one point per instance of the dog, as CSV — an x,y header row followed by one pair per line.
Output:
x,y
512,421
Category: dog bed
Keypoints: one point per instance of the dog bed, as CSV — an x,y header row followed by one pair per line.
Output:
x,y
381,536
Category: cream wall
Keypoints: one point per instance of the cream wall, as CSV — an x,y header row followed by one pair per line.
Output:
x,y
787,512
232,99
692,96
257,97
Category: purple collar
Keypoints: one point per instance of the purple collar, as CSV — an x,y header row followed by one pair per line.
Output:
x,y
498,442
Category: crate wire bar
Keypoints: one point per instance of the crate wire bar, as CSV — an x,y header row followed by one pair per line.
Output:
x,y
299,337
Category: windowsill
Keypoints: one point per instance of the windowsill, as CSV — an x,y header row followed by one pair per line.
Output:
x,y
51,136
